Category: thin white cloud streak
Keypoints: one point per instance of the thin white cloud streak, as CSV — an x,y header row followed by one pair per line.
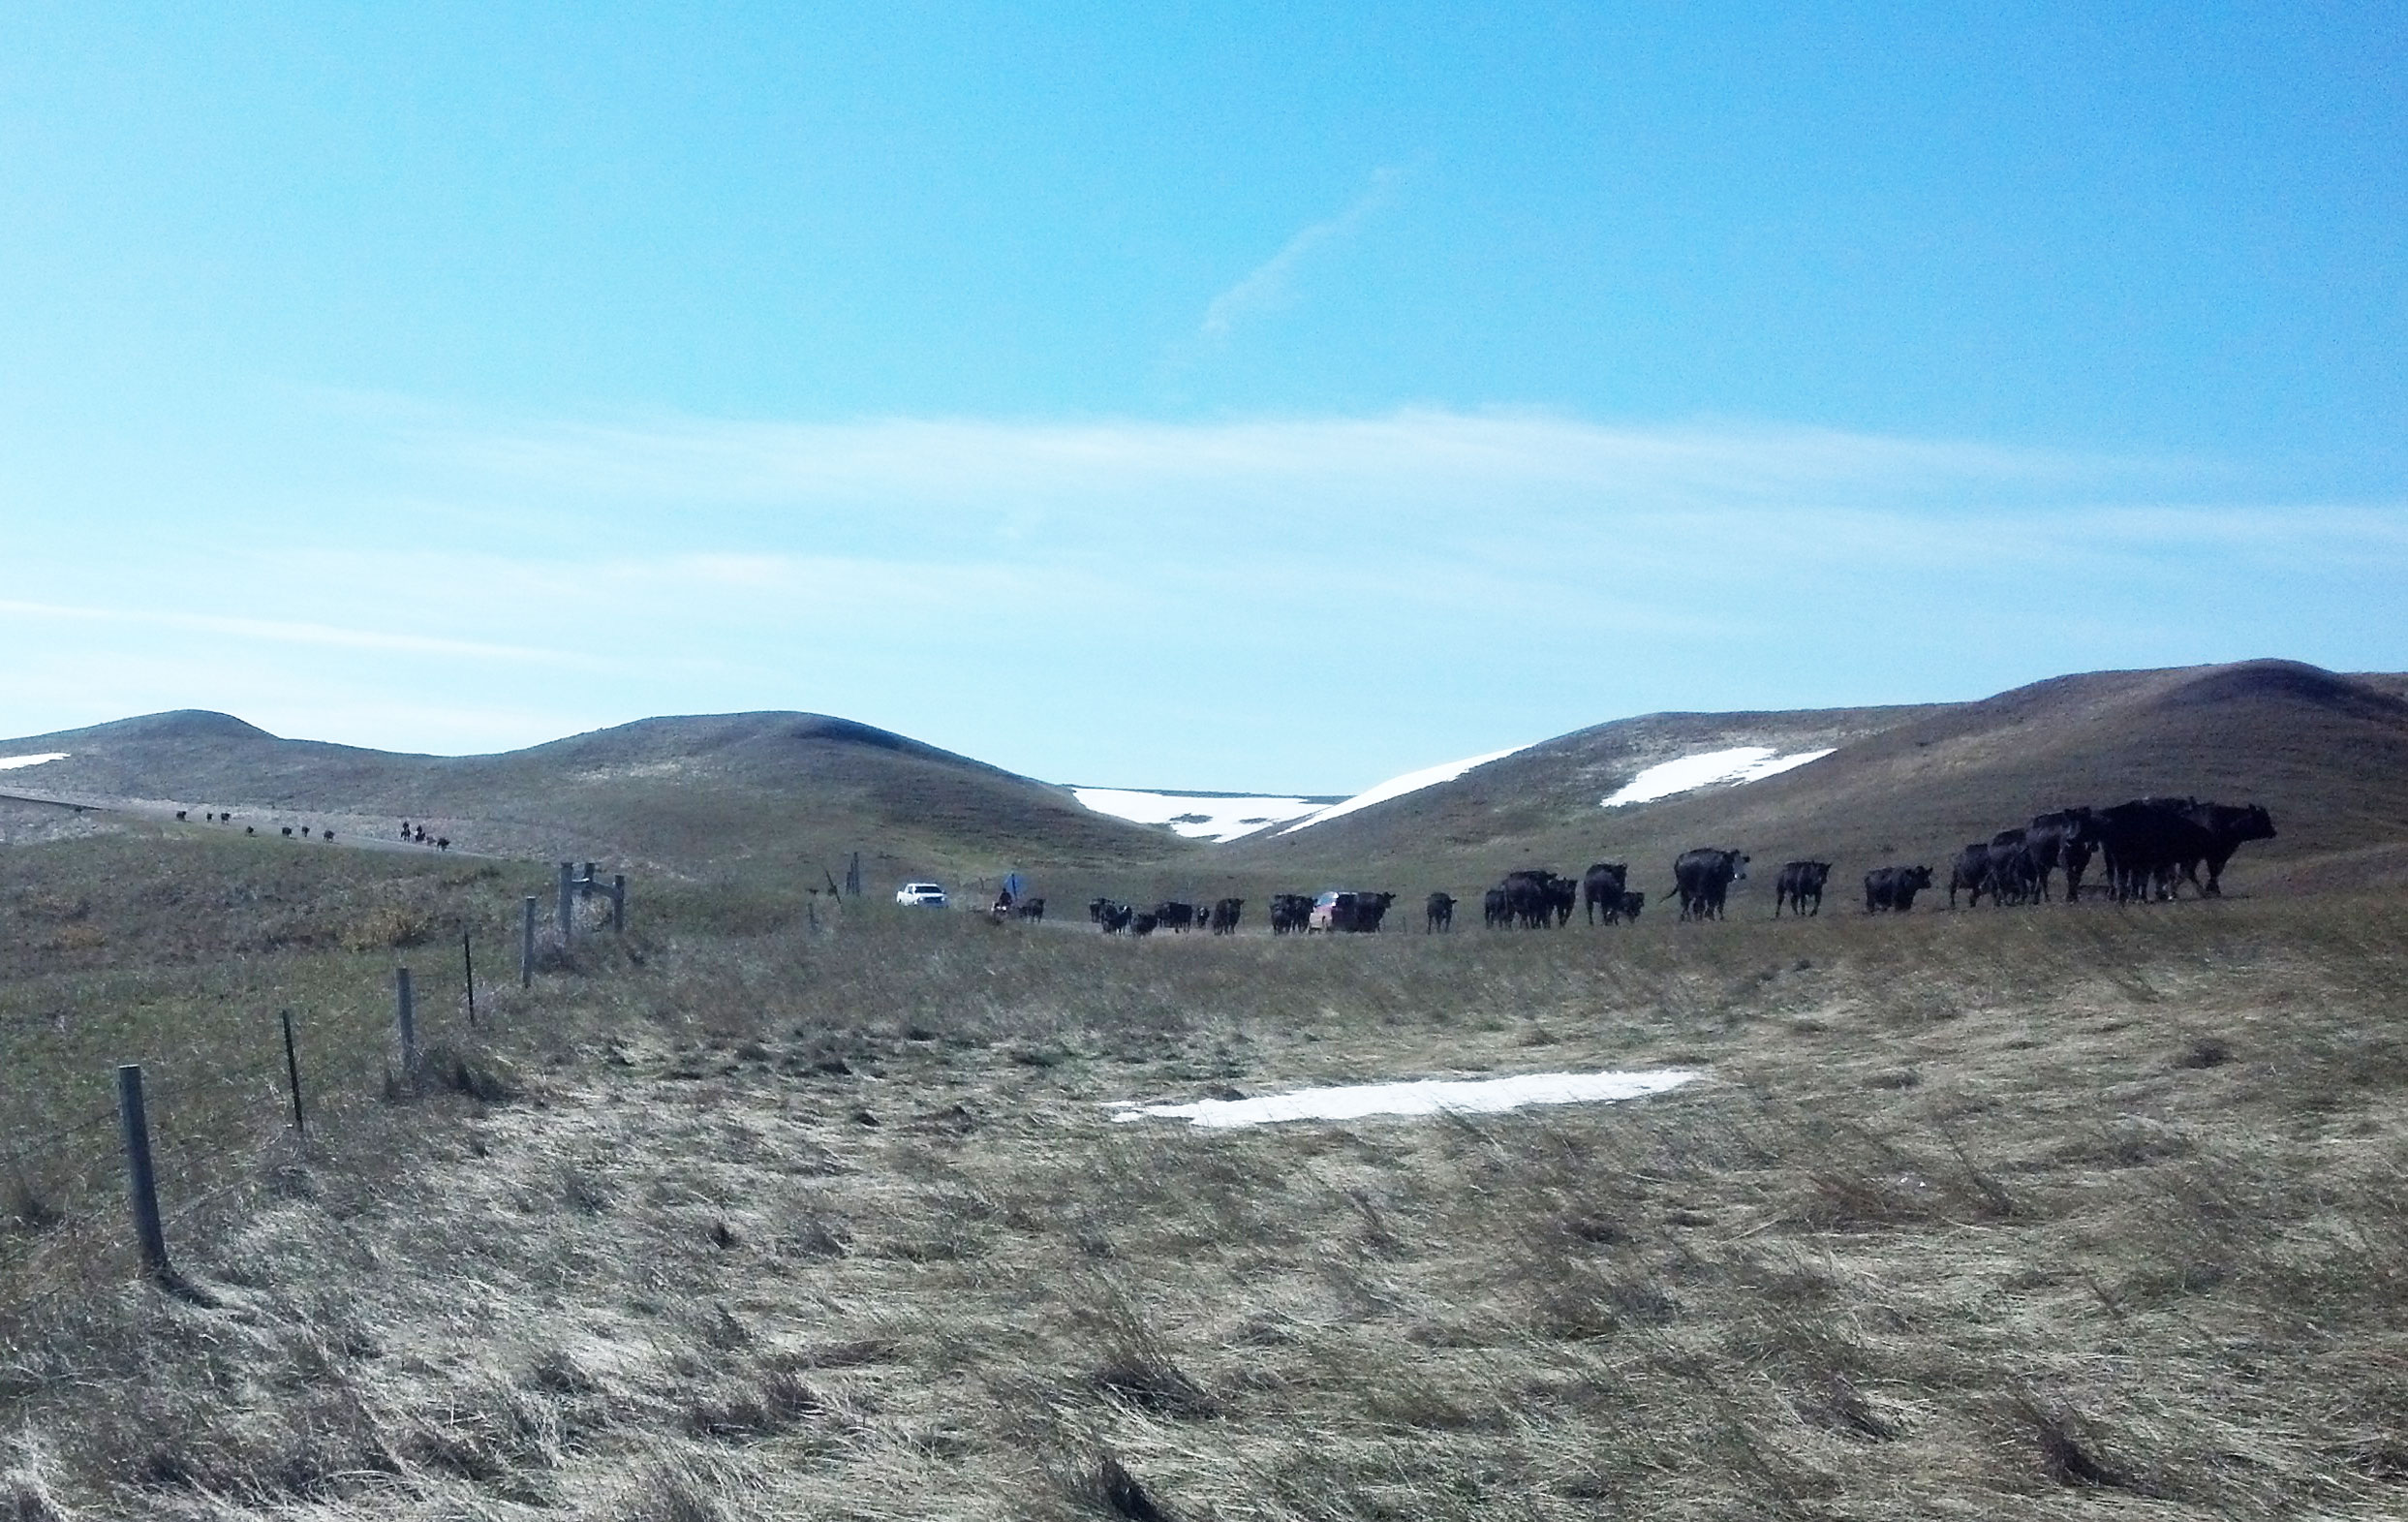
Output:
x,y
1412,456
324,635
1271,284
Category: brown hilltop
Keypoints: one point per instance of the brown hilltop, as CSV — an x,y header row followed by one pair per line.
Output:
x,y
753,793
2327,754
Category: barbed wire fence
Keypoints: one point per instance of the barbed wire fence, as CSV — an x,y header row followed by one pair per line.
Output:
x,y
94,1189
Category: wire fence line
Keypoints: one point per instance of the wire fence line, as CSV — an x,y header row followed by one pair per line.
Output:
x,y
219,1102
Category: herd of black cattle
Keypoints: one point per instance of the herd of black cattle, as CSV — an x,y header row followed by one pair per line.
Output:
x,y
2147,849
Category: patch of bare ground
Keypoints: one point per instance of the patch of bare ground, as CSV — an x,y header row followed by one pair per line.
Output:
x,y
2015,1212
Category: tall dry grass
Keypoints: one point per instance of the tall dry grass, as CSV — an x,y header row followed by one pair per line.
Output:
x,y
2009,1212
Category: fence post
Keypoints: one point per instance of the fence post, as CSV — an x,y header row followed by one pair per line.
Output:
x,y
292,1074
142,1185
568,913
406,1022
526,948
468,971
618,904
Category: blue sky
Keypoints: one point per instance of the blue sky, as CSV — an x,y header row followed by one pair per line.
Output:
x,y
1272,397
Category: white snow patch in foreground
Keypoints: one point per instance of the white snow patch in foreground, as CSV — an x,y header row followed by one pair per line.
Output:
x,y
1195,816
1420,1097
1738,764
12,762
1398,786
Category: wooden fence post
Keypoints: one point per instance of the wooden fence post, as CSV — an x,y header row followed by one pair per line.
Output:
x,y
618,904
526,948
406,1023
468,971
292,1075
142,1185
567,903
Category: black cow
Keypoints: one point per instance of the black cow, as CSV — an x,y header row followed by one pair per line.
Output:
x,y
2229,828
1971,871
1095,908
2064,839
1360,913
443,843
1497,908
2150,844
1225,912
1601,889
1894,888
1172,914
1703,877
1537,898
287,832
1114,917
1143,925
1799,882
2013,876
179,813
1029,909
1631,903
1290,913
1438,914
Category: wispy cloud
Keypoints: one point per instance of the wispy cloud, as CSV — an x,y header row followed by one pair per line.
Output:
x,y
1410,455
288,632
1271,284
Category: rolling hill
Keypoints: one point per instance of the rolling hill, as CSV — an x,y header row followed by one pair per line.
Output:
x,y
2327,754
747,793
762,793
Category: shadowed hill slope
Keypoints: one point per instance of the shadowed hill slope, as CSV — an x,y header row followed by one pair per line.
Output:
x,y
746,792
2327,754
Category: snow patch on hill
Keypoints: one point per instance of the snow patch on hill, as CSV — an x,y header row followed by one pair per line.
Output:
x,y
1398,786
12,762
1737,764
1197,816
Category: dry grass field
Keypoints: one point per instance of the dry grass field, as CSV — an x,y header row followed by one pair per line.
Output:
x,y
2018,1212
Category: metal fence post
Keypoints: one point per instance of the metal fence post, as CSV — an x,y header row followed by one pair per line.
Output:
x,y
142,1185
526,948
618,904
567,911
468,972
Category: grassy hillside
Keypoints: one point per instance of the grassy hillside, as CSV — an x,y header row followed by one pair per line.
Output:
x,y
1975,1215
752,794
2327,754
